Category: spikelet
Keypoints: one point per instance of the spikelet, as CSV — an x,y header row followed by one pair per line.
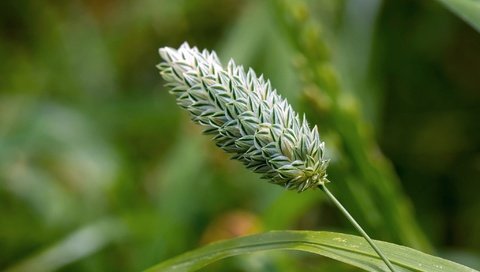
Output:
x,y
246,117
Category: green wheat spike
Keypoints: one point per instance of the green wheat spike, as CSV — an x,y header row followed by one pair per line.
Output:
x,y
246,117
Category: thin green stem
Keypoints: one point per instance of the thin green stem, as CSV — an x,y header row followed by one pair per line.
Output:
x,y
356,225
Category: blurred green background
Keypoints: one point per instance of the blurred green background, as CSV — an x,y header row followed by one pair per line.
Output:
x,y
101,171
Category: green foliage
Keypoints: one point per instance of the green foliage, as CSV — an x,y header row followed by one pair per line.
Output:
x,y
88,132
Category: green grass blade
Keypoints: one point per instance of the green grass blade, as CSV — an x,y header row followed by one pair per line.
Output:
x,y
345,248
468,10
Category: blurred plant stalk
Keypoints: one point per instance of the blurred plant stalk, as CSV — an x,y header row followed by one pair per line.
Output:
x,y
379,182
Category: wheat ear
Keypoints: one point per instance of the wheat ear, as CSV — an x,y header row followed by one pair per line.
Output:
x,y
246,117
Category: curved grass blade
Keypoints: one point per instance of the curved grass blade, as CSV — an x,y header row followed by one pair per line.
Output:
x,y
345,248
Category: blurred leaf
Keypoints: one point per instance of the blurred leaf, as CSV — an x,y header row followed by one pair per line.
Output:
x,y
468,10
258,44
76,246
353,51
51,154
170,190
288,207
345,248
246,35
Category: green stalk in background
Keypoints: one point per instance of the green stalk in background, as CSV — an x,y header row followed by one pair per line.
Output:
x,y
379,182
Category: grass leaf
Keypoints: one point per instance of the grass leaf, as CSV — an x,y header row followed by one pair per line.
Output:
x,y
345,248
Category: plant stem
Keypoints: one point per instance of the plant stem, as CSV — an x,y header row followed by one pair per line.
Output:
x,y
356,225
